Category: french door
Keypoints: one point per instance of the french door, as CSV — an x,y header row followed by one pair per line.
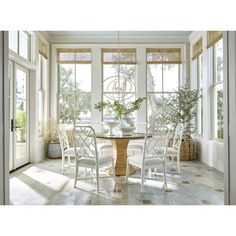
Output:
x,y
19,115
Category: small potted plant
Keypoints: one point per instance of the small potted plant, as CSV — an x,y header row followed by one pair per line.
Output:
x,y
51,139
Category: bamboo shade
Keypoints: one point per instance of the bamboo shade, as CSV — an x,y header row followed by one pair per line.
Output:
x,y
43,49
119,56
164,56
213,37
74,56
197,49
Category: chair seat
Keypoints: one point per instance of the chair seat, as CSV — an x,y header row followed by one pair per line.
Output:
x,y
104,146
136,160
88,162
171,151
135,146
69,152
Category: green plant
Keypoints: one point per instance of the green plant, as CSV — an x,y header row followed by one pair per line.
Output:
x,y
180,107
120,110
21,124
50,131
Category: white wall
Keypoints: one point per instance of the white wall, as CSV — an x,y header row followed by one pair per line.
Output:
x,y
207,149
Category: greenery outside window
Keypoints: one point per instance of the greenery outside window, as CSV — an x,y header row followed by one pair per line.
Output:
x,y
74,74
218,129
163,77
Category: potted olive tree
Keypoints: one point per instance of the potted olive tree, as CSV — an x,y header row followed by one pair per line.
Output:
x,y
51,139
180,107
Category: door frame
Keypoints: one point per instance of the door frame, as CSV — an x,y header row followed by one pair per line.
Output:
x,y
14,163
4,119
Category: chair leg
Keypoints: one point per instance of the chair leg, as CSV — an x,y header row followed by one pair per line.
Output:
x,y
178,164
62,162
142,179
113,170
97,177
76,172
127,171
164,173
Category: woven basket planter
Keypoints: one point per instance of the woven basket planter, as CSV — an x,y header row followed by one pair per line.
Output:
x,y
187,150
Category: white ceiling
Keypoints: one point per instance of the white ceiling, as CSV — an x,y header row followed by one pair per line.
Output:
x,y
121,33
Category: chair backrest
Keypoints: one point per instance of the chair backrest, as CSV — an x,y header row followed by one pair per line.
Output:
x,y
64,143
84,142
178,136
156,142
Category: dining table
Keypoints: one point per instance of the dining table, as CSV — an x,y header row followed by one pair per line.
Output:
x,y
120,148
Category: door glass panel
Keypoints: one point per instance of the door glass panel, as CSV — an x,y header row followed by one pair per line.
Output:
x,y
21,118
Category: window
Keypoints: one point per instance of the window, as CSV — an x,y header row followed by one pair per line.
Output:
x,y
41,93
218,89
74,100
163,75
119,73
199,117
197,55
20,43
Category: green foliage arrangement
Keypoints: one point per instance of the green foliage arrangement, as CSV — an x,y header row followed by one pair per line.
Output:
x,y
180,107
120,110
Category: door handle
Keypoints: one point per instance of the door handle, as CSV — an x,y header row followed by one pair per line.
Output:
x,y
12,125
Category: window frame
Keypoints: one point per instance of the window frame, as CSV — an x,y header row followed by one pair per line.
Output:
x,y
199,86
103,64
29,46
58,95
162,93
214,85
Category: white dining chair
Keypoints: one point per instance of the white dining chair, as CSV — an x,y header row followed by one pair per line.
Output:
x,y
66,150
87,155
173,152
153,155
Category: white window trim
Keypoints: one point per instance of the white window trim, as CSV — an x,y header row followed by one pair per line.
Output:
x,y
97,73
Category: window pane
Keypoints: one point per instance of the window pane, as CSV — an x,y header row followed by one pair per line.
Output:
x,y
199,114
200,72
154,104
13,40
74,93
154,77
170,77
83,77
220,127
116,87
219,61
24,44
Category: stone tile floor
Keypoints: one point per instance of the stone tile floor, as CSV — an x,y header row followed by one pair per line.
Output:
x,y
43,184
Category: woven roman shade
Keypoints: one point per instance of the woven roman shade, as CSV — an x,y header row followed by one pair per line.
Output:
x,y
119,56
197,49
213,37
164,56
74,56
43,49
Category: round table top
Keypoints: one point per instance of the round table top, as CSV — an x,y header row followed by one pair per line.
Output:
x,y
120,136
